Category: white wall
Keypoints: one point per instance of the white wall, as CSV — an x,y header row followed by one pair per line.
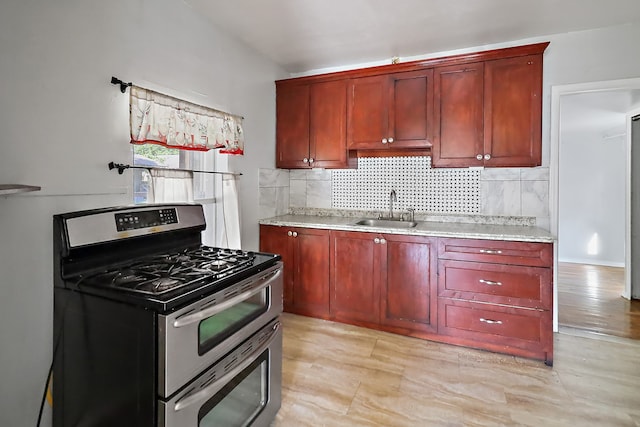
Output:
x,y
62,122
592,199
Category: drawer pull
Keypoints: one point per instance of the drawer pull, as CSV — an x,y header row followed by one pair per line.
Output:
x,y
490,251
490,282
491,322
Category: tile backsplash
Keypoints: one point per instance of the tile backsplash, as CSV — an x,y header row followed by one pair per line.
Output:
x,y
417,186
483,193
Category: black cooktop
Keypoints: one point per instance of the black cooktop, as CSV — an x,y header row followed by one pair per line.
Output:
x,y
166,281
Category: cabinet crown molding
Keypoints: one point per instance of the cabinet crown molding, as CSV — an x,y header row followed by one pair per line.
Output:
x,y
463,58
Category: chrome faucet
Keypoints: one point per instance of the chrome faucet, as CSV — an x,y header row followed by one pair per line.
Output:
x,y
392,198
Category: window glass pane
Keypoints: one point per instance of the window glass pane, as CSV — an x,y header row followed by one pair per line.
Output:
x,y
204,184
151,155
215,329
240,401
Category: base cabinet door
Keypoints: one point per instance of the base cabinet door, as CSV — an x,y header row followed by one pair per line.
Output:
x,y
311,276
276,241
305,255
407,281
355,277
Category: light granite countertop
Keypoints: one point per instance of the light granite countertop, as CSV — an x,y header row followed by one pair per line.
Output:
x,y
521,233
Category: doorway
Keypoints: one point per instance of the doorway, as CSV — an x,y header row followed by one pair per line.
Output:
x,y
590,169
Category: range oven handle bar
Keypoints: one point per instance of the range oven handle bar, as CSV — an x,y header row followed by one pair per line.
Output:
x,y
205,393
217,308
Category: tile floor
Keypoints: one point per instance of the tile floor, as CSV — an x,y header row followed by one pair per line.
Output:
x,y
342,375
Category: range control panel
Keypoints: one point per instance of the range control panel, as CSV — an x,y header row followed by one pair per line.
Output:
x,y
143,219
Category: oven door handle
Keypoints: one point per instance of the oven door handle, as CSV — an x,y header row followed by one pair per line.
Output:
x,y
217,308
205,393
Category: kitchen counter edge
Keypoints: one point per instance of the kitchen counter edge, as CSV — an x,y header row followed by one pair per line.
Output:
x,y
424,228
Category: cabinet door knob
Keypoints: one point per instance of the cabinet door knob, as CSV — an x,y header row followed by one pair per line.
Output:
x,y
305,160
390,140
479,157
289,233
487,156
311,160
376,240
295,234
383,241
384,140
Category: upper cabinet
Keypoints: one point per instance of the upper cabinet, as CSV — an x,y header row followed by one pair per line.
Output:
x,y
311,125
292,126
475,109
513,111
390,111
459,119
489,113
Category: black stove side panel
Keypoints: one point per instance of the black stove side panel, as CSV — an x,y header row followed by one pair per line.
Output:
x,y
104,362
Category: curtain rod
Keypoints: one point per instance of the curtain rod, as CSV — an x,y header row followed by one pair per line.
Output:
x,y
121,167
124,86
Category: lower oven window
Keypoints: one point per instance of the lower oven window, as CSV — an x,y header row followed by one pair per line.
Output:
x,y
240,401
215,329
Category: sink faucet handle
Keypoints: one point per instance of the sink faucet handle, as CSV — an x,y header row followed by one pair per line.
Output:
x,y
411,214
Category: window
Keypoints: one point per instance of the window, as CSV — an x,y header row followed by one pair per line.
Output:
x,y
206,186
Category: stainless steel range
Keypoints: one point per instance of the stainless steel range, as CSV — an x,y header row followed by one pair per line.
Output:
x,y
152,328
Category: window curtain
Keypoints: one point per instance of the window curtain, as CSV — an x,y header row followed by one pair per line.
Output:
x,y
231,229
161,119
170,186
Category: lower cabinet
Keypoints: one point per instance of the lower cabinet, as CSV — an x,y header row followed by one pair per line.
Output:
x,y
354,277
305,255
383,280
492,295
408,276
497,295
505,329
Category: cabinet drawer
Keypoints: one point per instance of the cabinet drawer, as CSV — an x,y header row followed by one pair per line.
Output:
x,y
486,323
496,283
497,251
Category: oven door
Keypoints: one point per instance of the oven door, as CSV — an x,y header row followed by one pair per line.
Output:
x,y
194,337
243,388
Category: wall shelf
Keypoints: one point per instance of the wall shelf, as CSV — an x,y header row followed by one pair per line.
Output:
x,y
6,189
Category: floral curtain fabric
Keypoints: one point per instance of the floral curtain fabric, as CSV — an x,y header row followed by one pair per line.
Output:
x,y
161,119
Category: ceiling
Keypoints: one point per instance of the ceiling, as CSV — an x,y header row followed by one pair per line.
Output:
x,y
304,35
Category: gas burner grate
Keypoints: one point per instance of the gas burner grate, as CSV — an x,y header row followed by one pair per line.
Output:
x,y
169,272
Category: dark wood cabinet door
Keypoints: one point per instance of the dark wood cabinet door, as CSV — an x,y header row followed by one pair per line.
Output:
x,y
513,111
410,110
292,126
408,277
355,277
275,240
328,137
367,112
459,116
311,278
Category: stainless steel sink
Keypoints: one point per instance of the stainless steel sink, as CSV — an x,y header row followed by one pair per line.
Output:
x,y
386,223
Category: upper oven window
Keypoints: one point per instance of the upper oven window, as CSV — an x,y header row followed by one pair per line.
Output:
x,y
215,329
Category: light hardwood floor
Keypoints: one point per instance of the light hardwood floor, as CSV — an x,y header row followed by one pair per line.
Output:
x,y
342,375
589,298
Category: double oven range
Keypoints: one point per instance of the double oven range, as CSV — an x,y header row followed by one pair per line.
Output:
x,y
153,328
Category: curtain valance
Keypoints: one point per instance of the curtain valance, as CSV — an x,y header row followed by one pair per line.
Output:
x,y
161,119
